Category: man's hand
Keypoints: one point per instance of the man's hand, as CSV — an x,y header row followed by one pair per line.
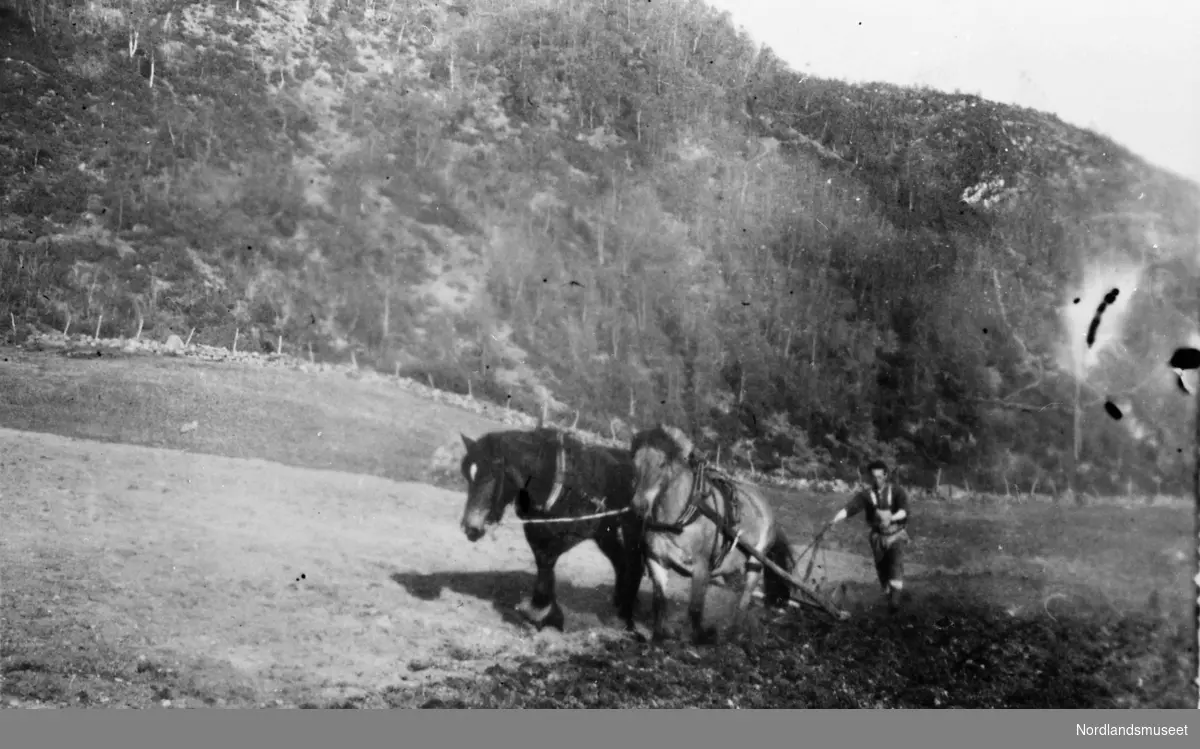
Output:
x,y
885,518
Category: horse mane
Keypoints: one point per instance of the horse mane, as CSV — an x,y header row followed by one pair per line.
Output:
x,y
666,439
597,470
520,448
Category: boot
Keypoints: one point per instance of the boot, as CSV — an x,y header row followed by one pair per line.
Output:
x,y
893,599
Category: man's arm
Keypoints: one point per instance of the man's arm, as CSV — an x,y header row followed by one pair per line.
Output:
x,y
852,508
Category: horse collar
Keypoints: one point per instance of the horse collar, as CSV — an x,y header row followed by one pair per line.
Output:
x,y
560,473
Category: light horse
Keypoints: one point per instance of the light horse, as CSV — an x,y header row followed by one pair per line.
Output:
x,y
681,498
565,492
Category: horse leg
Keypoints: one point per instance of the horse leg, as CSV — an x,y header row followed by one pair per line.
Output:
x,y
628,570
633,545
543,610
701,576
754,575
635,553
658,609
612,548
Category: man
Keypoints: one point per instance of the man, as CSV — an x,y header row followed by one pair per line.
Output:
x,y
885,507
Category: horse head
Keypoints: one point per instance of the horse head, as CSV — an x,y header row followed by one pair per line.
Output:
x,y
490,487
660,456
498,468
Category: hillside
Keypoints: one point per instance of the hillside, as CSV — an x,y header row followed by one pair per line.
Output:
x,y
631,213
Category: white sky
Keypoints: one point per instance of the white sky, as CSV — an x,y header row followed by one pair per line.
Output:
x,y
1129,70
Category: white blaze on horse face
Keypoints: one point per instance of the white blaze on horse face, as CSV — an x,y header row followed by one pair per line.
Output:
x,y
471,470
475,521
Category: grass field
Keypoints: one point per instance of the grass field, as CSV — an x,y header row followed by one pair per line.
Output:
x,y
290,550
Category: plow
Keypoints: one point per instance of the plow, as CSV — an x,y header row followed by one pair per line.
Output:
x,y
805,593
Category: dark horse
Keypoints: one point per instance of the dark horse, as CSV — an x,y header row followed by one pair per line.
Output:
x,y
564,492
687,504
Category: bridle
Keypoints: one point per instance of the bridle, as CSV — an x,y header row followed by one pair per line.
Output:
x,y
691,509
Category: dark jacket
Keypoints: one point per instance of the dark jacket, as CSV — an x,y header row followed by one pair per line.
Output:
x,y
868,501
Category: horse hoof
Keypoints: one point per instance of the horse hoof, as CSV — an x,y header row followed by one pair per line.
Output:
x,y
550,616
555,620
550,622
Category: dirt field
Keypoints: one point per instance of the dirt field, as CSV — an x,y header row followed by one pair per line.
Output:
x,y
288,551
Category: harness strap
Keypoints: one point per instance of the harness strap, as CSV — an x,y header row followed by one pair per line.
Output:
x,y
705,478
875,497
732,515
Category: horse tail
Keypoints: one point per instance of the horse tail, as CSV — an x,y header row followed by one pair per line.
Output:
x,y
776,590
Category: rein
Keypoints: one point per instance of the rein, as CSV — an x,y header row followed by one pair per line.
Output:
x,y
573,519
